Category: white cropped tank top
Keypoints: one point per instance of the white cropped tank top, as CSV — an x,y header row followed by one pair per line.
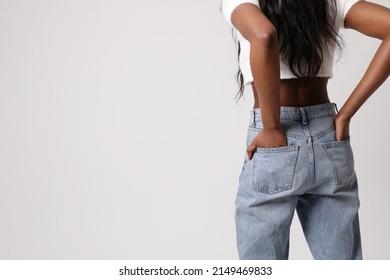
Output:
x,y
326,69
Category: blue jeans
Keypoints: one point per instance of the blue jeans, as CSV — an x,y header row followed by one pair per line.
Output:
x,y
314,175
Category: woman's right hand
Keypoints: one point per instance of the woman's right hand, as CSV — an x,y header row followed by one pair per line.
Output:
x,y
267,138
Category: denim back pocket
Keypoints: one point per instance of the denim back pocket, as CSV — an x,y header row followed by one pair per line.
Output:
x,y
341,158
273,168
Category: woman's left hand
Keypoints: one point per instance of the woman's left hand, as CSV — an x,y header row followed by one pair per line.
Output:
x,y
342,127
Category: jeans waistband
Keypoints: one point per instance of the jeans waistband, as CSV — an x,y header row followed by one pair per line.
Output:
x,y
303,114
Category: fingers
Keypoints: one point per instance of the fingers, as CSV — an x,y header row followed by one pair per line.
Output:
x,y
251,149
342,133
338,134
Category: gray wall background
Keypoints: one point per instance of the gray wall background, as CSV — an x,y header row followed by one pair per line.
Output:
x,y
120,137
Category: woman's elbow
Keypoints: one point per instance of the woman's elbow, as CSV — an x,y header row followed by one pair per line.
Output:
x,y
267,38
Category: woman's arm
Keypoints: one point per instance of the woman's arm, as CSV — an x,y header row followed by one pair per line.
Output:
x,y
372,20
264,60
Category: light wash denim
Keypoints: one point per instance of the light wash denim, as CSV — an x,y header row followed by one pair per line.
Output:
x,y
314,175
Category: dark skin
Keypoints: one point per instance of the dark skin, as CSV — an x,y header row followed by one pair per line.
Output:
x,y
270,92
297,93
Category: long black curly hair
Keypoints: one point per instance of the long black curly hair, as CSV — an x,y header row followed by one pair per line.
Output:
x,y
305,32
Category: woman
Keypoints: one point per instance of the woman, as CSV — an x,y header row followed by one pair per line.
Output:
x,y
298,147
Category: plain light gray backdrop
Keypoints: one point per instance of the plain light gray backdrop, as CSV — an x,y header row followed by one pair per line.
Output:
x,y
120,137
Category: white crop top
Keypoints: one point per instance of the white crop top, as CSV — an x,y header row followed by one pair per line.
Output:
x,y
326,69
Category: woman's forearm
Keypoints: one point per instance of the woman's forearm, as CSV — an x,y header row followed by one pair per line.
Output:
x,y
372,20
255,27
377,72
264,61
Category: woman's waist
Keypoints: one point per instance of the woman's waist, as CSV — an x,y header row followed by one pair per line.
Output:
x,y
300,92
305,112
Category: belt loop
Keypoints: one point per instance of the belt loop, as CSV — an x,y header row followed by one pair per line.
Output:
x,y
304,115
252,118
